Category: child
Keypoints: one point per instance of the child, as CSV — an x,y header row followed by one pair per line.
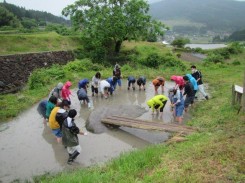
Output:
x,y
62,113
70,138
158,102
57,91
131,80
193,82
104,88
66,92
189,92
42,110
112,81
50,105
54,125
83,84
179,82
178,104
141,81
159,81
82,96
95,83
117,75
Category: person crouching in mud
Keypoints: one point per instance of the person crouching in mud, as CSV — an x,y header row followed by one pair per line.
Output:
x,y
157,103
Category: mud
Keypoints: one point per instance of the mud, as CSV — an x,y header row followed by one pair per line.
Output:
x,y
28,148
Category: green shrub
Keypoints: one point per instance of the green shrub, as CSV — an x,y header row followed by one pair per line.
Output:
x,y
215,58
236,62
44,76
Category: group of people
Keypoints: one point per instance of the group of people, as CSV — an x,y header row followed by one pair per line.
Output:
x,y
56,111
181,96
60,117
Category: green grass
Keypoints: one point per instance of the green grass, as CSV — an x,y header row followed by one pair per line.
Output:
x,y
38,42
215,154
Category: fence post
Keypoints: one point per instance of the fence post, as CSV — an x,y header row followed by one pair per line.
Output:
x,y
243,95
233,97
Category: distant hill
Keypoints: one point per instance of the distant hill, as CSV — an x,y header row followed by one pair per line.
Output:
x,y
215,15
39,16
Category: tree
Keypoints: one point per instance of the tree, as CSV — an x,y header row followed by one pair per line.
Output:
x,y
7,18
180,42
110,22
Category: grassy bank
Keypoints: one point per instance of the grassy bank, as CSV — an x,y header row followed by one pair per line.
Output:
x,y
38,42
215,154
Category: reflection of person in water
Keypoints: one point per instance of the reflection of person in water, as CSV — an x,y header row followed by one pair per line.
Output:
x,y
141,97
59,150
132,97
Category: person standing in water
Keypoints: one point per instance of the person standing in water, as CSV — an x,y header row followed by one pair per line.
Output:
x,y
157,103
141,81
70,138
118,75
95,83
159,81
131,82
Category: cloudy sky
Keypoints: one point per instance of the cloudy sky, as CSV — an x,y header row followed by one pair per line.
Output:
x,y
52,6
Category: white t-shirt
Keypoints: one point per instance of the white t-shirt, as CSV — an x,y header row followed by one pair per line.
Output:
x,y
104,84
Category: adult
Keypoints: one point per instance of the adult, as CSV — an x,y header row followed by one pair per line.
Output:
x,y
118,75
66,92
131,82
198,76
189,92
104,88
179,81
95,83
141,81
158,102
157,82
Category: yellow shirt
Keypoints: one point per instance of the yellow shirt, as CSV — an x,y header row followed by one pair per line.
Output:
x,y
157,100
53,124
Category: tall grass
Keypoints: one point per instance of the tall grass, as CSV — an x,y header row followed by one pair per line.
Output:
x,y
38,42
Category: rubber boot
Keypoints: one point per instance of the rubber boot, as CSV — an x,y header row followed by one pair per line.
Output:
x,y
72,157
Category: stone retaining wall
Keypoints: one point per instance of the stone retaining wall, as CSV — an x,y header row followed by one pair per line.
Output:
x,y
15,69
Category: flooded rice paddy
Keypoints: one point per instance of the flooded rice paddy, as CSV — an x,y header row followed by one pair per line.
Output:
x,y
28,148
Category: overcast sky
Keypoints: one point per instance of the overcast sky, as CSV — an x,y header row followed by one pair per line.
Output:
x,y
52,6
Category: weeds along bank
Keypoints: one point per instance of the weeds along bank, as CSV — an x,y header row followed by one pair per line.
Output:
x,y
215,154
136,63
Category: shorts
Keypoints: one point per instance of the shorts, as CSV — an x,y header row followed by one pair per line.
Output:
x,y
72,149
179,110
189,100
94,90
57,132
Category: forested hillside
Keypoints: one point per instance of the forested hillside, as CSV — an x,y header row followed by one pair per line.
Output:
x,y
221,15
11,15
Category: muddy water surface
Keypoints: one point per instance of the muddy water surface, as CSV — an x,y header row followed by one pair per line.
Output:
x,y
28,148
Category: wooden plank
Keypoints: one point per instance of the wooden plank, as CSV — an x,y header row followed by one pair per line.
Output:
x,y
151,122
239,89
147,125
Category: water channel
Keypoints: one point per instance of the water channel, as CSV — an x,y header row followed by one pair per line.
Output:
x,y
28,148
